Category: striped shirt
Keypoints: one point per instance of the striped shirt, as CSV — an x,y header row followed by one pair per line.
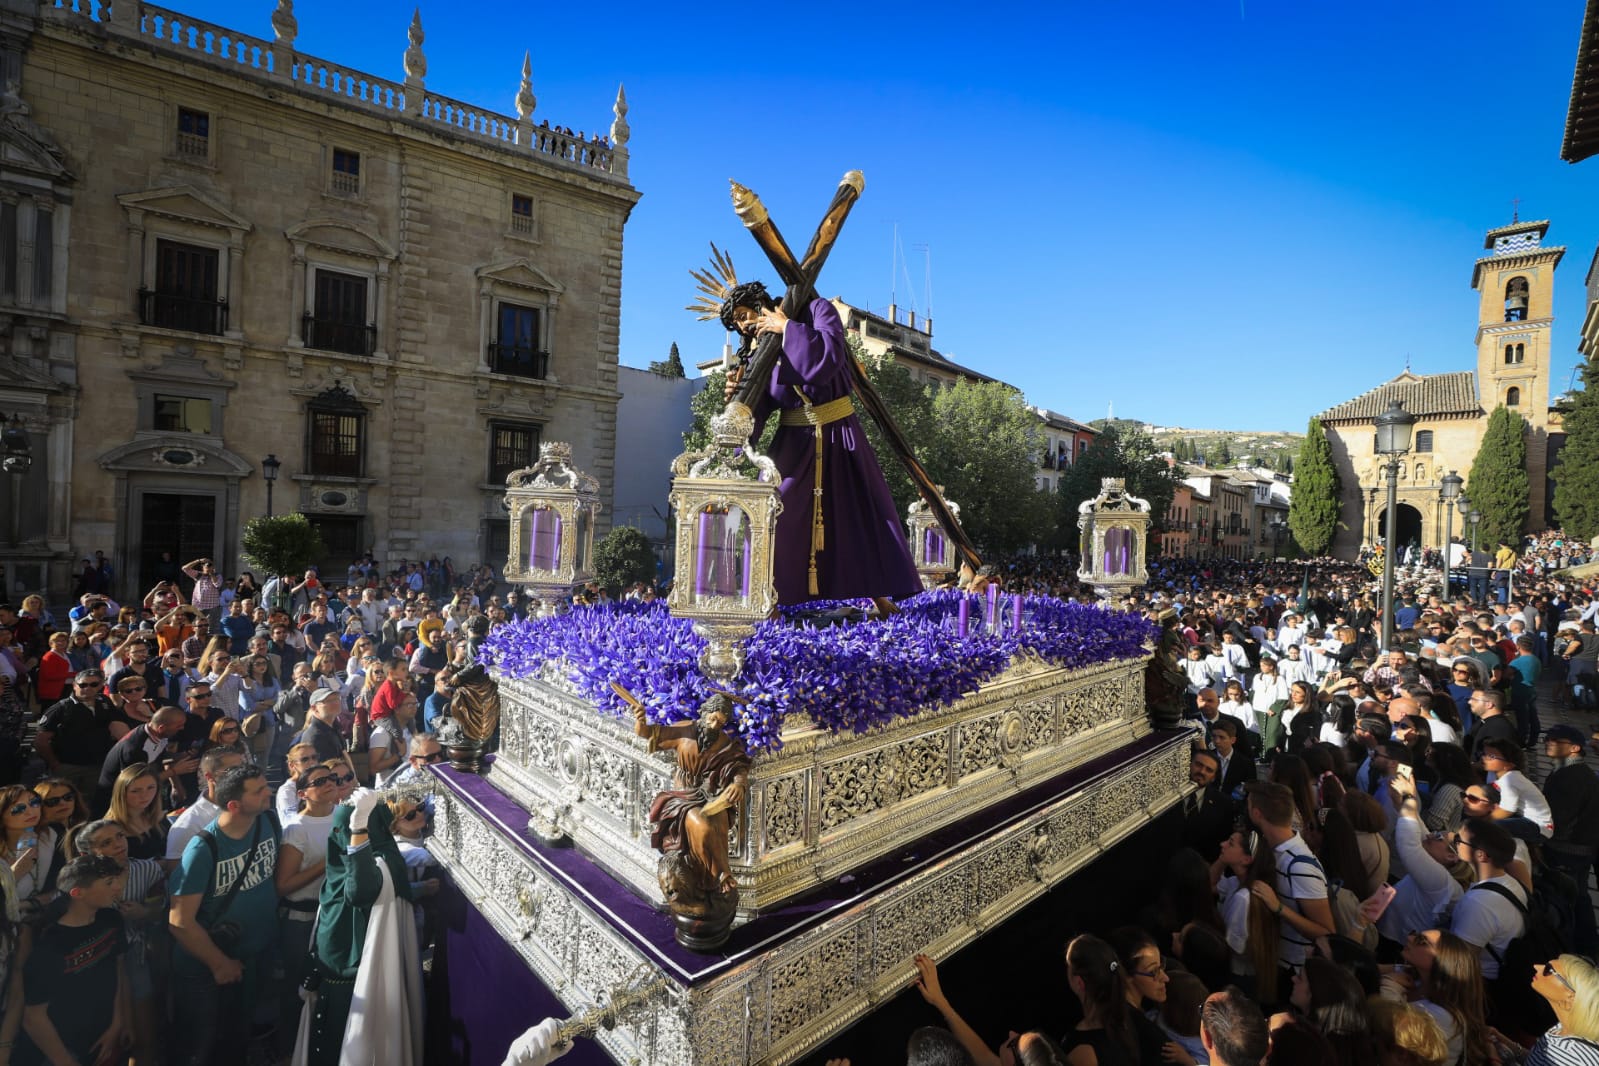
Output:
x,y
1555,1048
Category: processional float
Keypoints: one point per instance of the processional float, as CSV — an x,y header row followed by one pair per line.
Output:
x,y
714,902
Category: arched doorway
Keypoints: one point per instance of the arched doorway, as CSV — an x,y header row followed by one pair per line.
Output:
x,y
1407,530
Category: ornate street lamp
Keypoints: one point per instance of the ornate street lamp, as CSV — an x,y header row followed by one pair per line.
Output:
x,y
552,508
726,502
1115,528
1277,526
269,474
16,451
1448,493
930,548
1475,516
1393,440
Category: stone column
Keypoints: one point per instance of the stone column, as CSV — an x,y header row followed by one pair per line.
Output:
x,y
235,287
299,278
485,327
27,214
380,311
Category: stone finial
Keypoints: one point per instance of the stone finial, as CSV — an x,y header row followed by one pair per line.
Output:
x,y
416,64
284,25
620,131
525,100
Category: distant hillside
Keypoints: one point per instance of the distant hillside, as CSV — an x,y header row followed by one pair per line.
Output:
x,y
1217,447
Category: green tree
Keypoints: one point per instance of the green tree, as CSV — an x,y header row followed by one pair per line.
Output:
x,y
622,559
671,366
282,544
1576,472
1317,496
1224,453
984,447
1128,454
1498,484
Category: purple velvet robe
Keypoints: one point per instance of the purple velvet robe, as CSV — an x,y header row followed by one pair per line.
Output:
x,y
866,553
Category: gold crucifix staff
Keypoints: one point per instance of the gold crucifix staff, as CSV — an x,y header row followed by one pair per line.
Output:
x,y
800,277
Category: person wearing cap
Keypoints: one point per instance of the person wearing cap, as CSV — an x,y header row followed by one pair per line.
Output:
x,y
320,731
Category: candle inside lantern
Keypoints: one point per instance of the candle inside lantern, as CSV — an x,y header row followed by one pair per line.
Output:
x,y
932,548
722,554
1016,613
993,605
965,614
544,545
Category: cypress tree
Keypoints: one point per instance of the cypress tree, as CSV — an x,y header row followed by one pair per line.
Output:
x,y
1498,484
1576,472
1313,510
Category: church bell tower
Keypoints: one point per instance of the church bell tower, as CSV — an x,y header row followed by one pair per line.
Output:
x,y
1515,283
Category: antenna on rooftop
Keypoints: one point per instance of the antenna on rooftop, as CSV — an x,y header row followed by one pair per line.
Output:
x,y
1515,210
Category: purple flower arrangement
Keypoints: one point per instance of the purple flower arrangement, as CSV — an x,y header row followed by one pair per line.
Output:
x,y
848,677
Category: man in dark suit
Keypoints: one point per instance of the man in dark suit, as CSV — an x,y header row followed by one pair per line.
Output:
x,y
146,743
1207,812
1236,765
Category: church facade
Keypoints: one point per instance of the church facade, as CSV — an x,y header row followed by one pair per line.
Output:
x,y
1515,287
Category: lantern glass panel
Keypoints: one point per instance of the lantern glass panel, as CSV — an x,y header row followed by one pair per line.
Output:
x,y
933,547
722,542
544,539
584,542
1118,551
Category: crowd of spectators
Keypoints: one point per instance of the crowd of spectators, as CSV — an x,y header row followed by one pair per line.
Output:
x,y
170,775
1372,870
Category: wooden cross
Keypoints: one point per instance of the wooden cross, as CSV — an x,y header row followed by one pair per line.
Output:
x,y
800,277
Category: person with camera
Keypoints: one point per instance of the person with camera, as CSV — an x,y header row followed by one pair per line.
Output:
x,y
224,916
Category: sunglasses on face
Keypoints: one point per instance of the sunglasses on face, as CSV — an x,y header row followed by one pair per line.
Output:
x,y
411,815
322,782
56,801
344,779
230,731
1548,970
23,807
432,757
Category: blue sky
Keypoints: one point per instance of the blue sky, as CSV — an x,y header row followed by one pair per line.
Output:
x,y
1208,212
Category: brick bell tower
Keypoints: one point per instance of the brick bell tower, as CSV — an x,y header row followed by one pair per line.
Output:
x,y
1515,314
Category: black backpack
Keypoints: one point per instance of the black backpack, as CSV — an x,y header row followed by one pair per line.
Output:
x,y
1510,995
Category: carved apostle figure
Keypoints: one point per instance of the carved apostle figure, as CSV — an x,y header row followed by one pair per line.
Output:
x,y
712,773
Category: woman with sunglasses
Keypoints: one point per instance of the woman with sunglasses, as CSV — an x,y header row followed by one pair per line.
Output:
x,y
343,776
63,810
30,848
302,860
1570,984
136,807
133,708
225,733
1441,975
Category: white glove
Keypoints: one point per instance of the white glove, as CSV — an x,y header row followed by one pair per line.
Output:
x,y
365,801
536,1046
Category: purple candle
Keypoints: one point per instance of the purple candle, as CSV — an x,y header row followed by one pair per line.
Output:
x,y
1016,613
993,605
965,614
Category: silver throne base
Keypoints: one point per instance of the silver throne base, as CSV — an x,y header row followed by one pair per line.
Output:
x,y
790,980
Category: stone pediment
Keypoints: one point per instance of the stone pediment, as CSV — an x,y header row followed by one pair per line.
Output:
x,y
185,453
184,203
337,235
20,375
521,274
24,145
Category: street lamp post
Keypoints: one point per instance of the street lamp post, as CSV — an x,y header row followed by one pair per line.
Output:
x,y
16,458
1447,495
269,474
1277,525
1475,517
1393,440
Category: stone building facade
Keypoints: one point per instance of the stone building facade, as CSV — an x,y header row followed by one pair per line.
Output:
x,y
215,248
1515,286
